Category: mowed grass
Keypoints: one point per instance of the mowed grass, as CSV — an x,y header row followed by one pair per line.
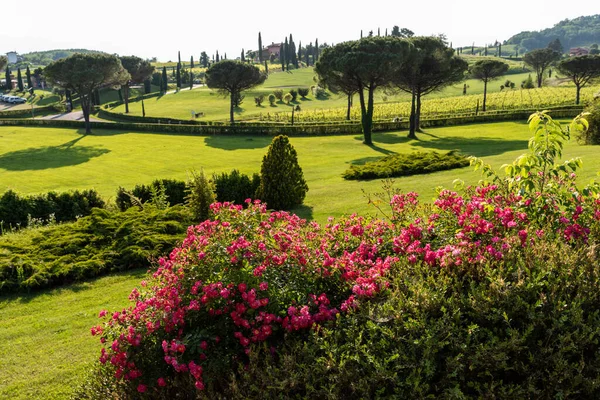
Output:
x,y
216,106
45,341
36,160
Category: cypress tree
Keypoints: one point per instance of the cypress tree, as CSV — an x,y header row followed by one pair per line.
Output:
x,y
260,48
378,32
361,33
225,56
286,51
242,58
282,55
29,83
192,62
19,80
299,53
293,57
179,57
164,81
217,56
386,32
500,50
178,78
316,50
8,82
282,184
191,80
473,49
307,54
485,50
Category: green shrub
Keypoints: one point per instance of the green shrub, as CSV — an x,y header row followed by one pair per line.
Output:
x,y
303,92
528,83
272,99
235,187
287,98
282,184
102,242
397,165
592,135
200,195
278,93
175,191
258,100
17,211
294,94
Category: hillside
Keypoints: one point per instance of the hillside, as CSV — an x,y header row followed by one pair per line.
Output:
x,y
46,57
581,31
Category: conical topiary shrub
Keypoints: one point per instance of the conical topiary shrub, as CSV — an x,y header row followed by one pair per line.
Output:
x,y
282,184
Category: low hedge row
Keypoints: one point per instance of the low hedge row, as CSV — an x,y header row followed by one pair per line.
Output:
x,y
18,211
415,163
290,130
117,103
102,242
26,112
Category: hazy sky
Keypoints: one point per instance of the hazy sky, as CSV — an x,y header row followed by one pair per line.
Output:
x,y
159,29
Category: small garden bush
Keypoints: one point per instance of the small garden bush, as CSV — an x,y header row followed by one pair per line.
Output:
x,y
592,135
282,185
200,195
415,163
175,192
102,242
303,92
235,187
278,93
18,211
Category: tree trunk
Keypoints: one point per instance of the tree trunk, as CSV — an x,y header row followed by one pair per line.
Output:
x,y
126,96
577,97
418,114
413,112
484,94
540,78
349,106
85,107
368,126
231,104
364,118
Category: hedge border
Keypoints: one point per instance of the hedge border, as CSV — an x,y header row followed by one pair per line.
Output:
x,y
26,112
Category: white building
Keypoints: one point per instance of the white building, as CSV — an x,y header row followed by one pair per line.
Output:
x,y
12,57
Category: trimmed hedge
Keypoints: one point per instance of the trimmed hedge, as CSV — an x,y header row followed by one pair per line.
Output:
x,y
94,245
415,163
19,211
235,187
174,190
26,112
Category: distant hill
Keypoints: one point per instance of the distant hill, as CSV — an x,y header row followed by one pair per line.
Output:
x,y
46,57
581,31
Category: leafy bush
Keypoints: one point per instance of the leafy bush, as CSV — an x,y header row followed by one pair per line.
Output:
x,y
102,242
175,191
303,92
294,94
397,165
592,135
282,183
272,99
287,98
278,93
201,194
258,100
18,211
235,187
528,83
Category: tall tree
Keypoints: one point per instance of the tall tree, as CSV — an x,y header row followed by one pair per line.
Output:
x,y
260,48
7,82
84,73
431,66
20,80
316,56
487,71
307,54
539,60
217,58
557,46
178,76
580,70
286,51
139,70
204,59
29,82
191,61
365,65
299,53
231,78
164,82
293,56
282,54
242,57
179,57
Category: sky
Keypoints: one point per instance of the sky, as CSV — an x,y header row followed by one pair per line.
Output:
x,y
161,28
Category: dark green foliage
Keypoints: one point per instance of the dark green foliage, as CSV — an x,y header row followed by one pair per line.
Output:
x,y
575,32
527,330
294,94
580,70
303,92
29,82
528,83
592,135
235,187
18,211
260,49
539,60
20,85
178,77
557,46
174,190
94,245
415,163
486,71
147,86
7,81
164,81
282,184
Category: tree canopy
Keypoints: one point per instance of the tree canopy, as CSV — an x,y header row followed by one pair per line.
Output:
x,y
486,71
540,60
431,66
138,69
363,65
233,77
85,73
3,62
580,70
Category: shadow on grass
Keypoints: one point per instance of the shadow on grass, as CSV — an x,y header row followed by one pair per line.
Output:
x,y
237,142
75,287
303,211
39,158
474,146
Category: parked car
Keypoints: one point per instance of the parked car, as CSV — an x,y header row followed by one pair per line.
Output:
x,y
16,100
4,97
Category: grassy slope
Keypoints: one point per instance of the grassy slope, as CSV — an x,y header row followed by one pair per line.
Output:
x,y
45,341
48,98
36,160
216,107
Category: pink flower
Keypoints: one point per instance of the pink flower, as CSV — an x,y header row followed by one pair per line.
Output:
x,y
199,385
141,388
242,287
102,314
162,382
263,286
203,345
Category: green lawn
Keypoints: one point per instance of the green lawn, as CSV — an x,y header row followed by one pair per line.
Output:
x,y
216,107
41,98
45,340
34,160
